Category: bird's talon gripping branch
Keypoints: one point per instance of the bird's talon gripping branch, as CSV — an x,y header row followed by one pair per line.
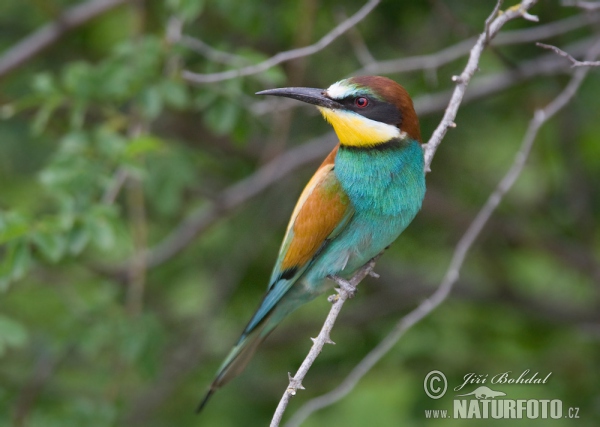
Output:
x,y
344,286
349,290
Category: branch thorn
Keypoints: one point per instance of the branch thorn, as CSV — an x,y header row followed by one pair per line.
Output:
x,y
529,17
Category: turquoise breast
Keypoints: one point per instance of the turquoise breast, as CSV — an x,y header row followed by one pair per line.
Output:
x,y
383,182
386,188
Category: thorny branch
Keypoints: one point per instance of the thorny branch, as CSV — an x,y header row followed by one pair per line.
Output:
x,y
346,290
493,25
574,62
464,245
484,86
462,81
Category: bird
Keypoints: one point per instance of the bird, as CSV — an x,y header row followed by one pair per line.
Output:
x,y
360,199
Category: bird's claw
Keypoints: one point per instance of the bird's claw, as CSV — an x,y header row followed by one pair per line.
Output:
x,y
344,286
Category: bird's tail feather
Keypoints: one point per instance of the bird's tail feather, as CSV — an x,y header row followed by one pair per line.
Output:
x,y
236,360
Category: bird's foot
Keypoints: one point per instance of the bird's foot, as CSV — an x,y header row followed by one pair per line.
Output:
x,y
344,286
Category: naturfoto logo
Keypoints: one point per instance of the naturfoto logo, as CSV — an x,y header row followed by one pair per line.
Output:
x,y
486,402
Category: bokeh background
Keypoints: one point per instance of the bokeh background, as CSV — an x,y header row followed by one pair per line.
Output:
x,y
140,213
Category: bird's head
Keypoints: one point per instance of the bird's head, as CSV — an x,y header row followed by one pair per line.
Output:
x,y
364,111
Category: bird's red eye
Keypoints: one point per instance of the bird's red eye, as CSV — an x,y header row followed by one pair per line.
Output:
x,y
361,102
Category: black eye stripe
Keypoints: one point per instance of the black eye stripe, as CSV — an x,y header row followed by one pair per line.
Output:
x,y
377,110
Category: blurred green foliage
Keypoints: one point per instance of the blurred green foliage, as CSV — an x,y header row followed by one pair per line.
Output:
x,y
105,150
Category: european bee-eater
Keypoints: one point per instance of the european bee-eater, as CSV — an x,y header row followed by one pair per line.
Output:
x,y
364,194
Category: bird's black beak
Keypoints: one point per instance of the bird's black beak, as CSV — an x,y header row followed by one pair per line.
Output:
x,y
309,95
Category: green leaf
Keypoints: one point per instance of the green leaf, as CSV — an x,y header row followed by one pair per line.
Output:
x,y
21,259
275,75
78,239
77,118
75,143
16,262
205,98
188,10
221,118
12,334
110,143
172,172
78,80
101,232
43,115
51,245
174,93
44,83
12,226
151,103
142,145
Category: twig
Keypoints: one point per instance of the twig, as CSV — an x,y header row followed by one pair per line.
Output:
x,y
488,22
460,49
115,186
361,51
574,62
485,86
346,290
284,56
50,33
174,35
464,245
463,80
586,5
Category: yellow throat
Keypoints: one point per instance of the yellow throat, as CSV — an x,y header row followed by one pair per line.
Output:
x,y
357,131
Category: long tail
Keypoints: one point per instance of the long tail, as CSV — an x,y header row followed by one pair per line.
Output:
x,y
277,303
236,360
